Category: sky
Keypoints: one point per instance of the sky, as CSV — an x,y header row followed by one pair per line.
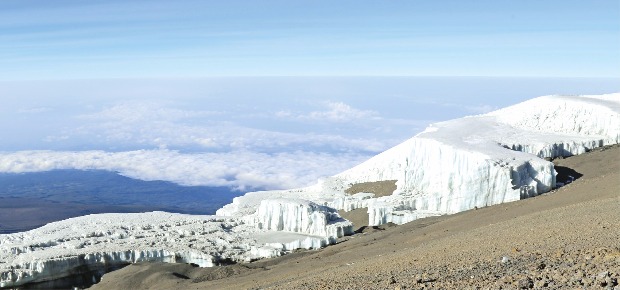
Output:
x,y
179,39
246,133
275,94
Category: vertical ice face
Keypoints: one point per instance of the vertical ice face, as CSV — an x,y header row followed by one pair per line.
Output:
x,y
301,216
447,179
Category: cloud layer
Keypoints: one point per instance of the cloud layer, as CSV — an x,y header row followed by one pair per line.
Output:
x,y
335,112
212,148
334,127
243,170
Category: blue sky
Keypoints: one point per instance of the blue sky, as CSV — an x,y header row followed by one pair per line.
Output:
x,y
151,89
178,39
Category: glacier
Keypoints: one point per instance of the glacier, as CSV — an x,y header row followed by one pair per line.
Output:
x,y
465,163
451,166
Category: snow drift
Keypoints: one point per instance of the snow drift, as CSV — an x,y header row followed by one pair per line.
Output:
x,y
452,166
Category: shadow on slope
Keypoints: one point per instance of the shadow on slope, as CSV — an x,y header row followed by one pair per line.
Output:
x,y
566,175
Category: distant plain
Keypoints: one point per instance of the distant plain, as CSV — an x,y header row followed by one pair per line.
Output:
x,y
30,200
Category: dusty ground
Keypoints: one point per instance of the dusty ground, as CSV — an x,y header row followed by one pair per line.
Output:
x,y
568,238
379,188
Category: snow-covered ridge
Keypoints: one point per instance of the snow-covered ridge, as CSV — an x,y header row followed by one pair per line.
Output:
x,y
452,166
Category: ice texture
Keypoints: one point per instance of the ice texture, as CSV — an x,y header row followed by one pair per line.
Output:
x,y
452,166
92,242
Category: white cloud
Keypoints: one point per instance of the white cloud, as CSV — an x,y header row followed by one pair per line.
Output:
x,y
240,161
341,112
209,144
335,112
140,111
151,125
243,170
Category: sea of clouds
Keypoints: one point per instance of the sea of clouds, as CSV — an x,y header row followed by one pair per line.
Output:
x,y
245,133
242,170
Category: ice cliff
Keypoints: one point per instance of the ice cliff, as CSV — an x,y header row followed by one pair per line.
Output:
x,y
452,166
300,216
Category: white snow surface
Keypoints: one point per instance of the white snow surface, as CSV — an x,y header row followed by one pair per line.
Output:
x,y
452,166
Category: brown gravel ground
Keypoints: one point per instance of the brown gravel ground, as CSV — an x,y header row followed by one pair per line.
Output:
x,y
379,188
566,239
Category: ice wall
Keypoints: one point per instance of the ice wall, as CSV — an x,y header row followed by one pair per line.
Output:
x,y
301,216
470,162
